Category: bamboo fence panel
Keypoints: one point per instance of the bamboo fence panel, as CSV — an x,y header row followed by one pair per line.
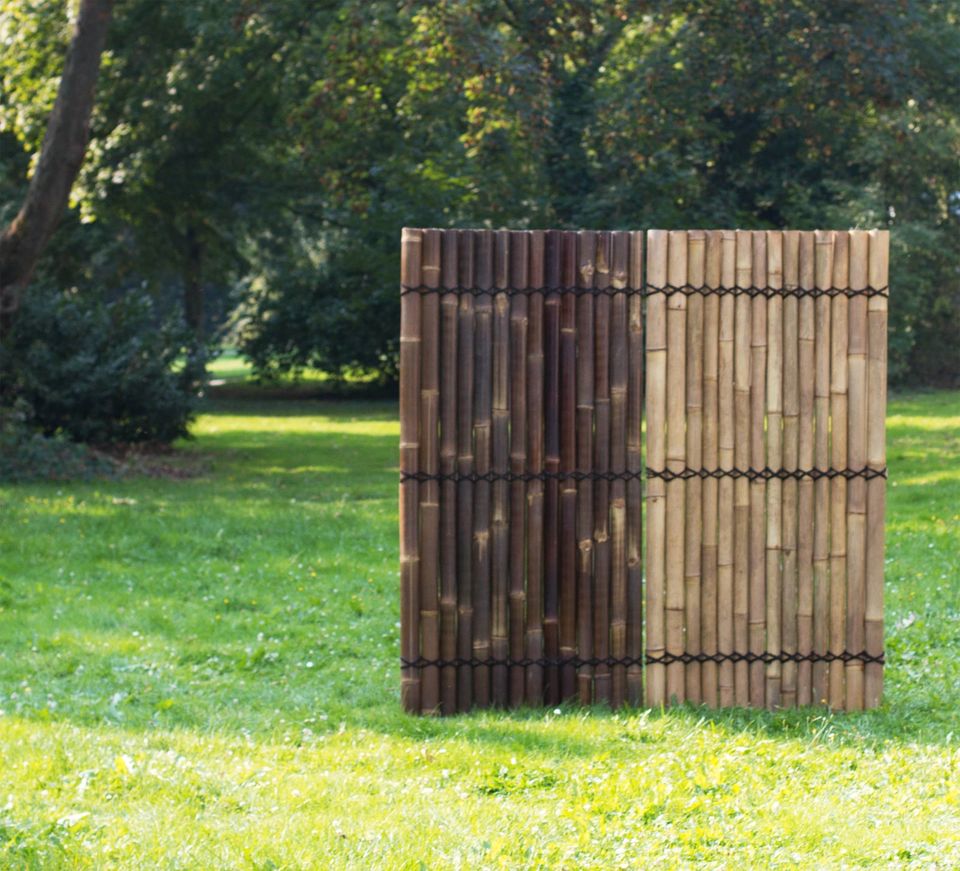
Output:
x,y
523,361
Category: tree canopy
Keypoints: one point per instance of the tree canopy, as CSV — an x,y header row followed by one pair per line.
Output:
x,y
251,162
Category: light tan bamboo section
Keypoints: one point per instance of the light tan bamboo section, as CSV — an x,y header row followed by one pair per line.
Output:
x,y
766,374
520,505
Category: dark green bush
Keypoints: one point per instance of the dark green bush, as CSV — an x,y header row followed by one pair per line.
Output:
x,y
96,371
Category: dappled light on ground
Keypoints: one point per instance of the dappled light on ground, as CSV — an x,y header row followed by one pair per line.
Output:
x,y
202,673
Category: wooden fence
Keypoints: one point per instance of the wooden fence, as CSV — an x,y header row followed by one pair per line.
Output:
x,y
522,369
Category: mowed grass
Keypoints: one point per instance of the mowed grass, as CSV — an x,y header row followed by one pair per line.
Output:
x,y
203,674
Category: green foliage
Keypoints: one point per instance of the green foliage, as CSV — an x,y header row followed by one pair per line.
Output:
x,y
266,159
203,673
96,371
27,455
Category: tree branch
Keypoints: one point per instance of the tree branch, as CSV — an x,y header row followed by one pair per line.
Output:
x,y
61,155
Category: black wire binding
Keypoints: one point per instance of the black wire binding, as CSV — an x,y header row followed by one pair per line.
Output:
x,y
648,290
646,659
765,474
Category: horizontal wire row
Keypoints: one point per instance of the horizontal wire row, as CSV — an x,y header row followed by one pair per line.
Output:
x,y
648,659
765,474
648,290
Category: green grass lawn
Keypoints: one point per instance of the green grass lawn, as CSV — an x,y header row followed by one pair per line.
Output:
x,y
203,674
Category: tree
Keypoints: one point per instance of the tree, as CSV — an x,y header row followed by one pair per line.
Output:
x,y
61,155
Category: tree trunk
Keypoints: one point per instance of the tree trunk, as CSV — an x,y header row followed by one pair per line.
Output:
x,y
61,155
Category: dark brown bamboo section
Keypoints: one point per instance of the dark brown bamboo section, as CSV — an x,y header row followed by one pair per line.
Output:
x,y
465,459
429,463
568,464
410,345
449,328
551,448
524,356
534,465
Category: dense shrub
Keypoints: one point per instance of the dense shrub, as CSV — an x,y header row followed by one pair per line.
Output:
x,y
96,371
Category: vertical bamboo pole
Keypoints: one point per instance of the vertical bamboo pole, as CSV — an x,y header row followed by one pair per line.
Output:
x,y
634,465
809,688
725,455
839,317
656,408
482,413
449,317
741,488
619,354
429,463
824,612
568,464
551,501
876,459
411,246
500,538
601,463
534,640
465,410
709,460
791,434
693,506
585,416
758,460
774,461
851,636
517,416
676,461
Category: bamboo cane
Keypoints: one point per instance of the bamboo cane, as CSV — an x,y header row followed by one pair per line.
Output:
x,y
725,454
824,610
410,352
710,460
517,416
774,572
676,461
601,463
568,464
585,416
482,412
758,460
693,502
429,463
535,385
465,527
619,353
791,432
634,465
838,448
851,637
876,459
741,490
551,502
808,690
449,306
656,405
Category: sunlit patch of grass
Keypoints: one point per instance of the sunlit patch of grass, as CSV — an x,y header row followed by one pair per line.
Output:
x,y
202,674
